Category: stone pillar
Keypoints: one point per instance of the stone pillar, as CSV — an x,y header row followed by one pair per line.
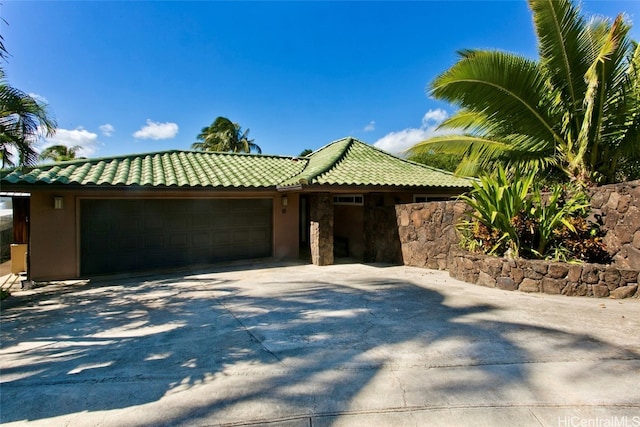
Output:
x,y
381,239
371,201
321,233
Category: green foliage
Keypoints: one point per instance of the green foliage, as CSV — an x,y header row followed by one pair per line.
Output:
x,y
23,120
575,110
496,200
60,153
584,241
4,54
477,237
511,214
305,152
448,162
224,135
547,214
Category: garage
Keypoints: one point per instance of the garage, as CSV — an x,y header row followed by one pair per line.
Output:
x,y
121,235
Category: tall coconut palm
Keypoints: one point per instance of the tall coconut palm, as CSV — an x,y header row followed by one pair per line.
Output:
x,y
576,110
23,120
60,153
224,135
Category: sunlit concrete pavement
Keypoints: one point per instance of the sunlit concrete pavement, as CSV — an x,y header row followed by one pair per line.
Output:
x,y
300,345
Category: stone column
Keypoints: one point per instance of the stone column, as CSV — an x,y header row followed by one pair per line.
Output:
x,y
381,240
321,233
371,201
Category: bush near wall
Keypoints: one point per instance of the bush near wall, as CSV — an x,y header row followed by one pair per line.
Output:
x,y
428,239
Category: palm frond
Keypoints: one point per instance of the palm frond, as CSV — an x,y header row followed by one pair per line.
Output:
x,y
599,77
561,46
576,110
224,135
503,85
23,120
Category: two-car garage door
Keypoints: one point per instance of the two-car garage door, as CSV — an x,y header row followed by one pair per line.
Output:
x,y
120,235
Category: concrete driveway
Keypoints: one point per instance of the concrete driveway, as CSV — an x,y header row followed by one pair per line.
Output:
x,y
300,345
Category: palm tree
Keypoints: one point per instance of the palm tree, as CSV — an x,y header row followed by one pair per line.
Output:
x,y
60,153
23,120
575,111
224,135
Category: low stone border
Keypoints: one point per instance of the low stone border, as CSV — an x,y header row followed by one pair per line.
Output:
x,y
593,280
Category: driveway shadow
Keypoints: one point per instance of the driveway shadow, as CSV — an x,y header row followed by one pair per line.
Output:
x,y
284,348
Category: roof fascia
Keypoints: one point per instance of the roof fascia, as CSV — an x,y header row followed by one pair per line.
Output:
x,y
320,188
31,188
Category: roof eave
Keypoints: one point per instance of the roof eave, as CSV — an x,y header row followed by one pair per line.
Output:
x,y
358,188
286,188
32,187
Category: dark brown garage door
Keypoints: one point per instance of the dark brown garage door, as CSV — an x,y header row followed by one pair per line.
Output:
x,y
119,235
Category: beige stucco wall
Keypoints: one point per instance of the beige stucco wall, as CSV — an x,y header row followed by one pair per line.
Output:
x,y
54,248
285,226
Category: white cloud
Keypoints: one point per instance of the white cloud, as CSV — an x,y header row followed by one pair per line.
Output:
x,y
434,117
155,130
107,129
39,98
370,127
397,142
88,141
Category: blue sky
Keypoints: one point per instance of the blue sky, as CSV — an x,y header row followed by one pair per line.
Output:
x,y
133,77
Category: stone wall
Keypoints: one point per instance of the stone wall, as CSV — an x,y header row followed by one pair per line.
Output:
x,y
543,276
618,205
381,241
427,232
428,238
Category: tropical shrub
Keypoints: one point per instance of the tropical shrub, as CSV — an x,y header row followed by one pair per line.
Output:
x,y
496,200
553,213
513,215
584,242
574,111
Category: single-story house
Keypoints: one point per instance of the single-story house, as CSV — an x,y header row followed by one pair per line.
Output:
x,y
184,208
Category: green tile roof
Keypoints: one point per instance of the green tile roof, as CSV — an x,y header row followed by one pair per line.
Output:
x,y
350,162
164,169
346,162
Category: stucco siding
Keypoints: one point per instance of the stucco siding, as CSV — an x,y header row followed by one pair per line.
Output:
x,y
53,237
54,248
